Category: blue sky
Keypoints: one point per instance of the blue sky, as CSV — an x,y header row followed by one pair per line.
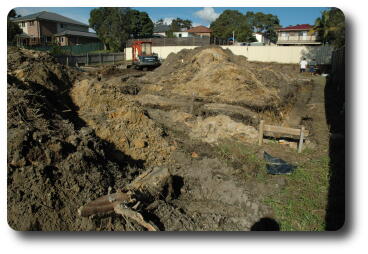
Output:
x,y
199,16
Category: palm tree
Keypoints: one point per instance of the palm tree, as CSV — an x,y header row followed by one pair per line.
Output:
x,y
330,27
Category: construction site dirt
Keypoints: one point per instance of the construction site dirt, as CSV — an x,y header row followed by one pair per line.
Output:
x,y
179,141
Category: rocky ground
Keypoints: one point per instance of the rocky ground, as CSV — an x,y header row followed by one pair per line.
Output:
x,y
74,135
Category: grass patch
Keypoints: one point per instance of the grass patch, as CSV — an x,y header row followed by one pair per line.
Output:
x,y
301,205
298,206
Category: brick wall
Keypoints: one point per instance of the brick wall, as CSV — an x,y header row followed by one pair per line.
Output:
x,y
48,28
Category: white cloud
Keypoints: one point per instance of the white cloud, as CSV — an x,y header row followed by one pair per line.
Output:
x,y
167,21
208,14
196,24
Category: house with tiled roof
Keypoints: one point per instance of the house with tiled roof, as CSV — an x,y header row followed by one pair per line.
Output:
x,y
200,31
43,28
197,31
297,35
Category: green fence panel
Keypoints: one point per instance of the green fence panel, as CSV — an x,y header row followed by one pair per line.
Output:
x,y
70,50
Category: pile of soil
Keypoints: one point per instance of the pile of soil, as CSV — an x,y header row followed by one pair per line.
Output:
x,y
215,75
121,121
55,161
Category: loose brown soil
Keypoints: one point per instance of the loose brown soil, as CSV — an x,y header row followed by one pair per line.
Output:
x,y
72,135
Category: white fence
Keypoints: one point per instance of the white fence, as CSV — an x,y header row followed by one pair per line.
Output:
x,y
279,54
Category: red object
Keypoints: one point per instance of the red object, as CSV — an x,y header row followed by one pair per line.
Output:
x,y
298,27
140,48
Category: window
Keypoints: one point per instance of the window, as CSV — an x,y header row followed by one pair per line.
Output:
x,y
30,23
179,35
61,25
62,39
23,24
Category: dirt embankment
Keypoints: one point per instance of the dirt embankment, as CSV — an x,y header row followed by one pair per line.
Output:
x,y
55,161
118,119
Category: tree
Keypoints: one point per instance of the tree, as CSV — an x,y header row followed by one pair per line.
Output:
x,y
264,23
229,21
178,24
13,29
114,26
159,22
141,25
330,27
13,14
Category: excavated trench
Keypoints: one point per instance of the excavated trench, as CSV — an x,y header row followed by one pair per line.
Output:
x,y
124,122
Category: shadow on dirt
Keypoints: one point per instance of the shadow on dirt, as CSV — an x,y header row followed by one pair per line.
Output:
x,y
335,114
266,224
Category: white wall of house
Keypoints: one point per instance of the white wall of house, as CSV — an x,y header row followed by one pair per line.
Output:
x,y
261,38
181,34
25,27
296,36
291,55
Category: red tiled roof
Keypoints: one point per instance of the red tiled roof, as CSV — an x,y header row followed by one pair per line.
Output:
x,y
298,27
199,29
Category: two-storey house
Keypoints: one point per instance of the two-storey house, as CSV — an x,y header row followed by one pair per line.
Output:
x,y
45,28
297,35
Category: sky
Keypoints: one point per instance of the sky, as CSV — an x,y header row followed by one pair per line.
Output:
x,y
199,16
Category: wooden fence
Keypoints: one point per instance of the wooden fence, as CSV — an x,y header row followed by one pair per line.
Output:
x,y
91,59
338,72
183,41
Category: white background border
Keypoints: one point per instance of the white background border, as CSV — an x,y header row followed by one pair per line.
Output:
x,y
353,238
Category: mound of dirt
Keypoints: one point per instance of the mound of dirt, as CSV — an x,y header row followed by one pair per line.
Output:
x,y
218,76
55,162
119,120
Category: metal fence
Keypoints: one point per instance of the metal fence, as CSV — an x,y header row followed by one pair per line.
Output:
x,y
91,59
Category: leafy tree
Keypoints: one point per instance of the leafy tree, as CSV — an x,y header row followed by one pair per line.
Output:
x,y
111,26
159,22
114,26
12,28
141,25
264,23
178,24
229,21
170,34
331,27
13,14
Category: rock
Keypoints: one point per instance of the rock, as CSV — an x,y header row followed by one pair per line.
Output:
x,y
85,131
139,143
195,155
